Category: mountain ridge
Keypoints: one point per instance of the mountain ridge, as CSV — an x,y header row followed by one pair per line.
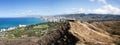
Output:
x,y
74,32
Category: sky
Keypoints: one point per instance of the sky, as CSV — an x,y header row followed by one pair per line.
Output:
x,y
19,8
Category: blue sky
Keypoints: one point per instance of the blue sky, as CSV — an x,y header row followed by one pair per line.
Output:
x,y
18,8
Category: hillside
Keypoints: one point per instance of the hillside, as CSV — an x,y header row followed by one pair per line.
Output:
x,y
96,33
89,34
72,32
83,17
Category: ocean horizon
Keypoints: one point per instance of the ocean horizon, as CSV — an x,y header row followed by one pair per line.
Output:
x,y
6,23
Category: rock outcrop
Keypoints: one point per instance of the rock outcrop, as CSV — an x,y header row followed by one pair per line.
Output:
x,y
87,33
80,33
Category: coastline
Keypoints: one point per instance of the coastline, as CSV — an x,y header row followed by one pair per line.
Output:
x,y
18,22
12,28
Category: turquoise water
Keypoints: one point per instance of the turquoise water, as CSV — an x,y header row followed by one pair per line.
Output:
x,y
15,22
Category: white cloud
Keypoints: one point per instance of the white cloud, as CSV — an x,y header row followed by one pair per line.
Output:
x,y
92,0
106,9
28,12
101,1
72,10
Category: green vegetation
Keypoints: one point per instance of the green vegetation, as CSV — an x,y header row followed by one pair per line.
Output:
x,y
41,26
117,42
115,30
36,30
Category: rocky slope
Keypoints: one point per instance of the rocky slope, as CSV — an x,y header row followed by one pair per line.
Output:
x,y
88,33
73,32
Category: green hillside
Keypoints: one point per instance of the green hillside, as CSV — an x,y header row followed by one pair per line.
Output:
x,y
36,30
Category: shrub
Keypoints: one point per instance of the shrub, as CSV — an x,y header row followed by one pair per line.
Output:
x,y
117,42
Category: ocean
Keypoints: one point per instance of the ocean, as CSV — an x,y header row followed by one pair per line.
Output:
x,y
6,23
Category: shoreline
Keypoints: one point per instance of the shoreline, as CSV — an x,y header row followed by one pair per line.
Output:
x,y
14,23
11,28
